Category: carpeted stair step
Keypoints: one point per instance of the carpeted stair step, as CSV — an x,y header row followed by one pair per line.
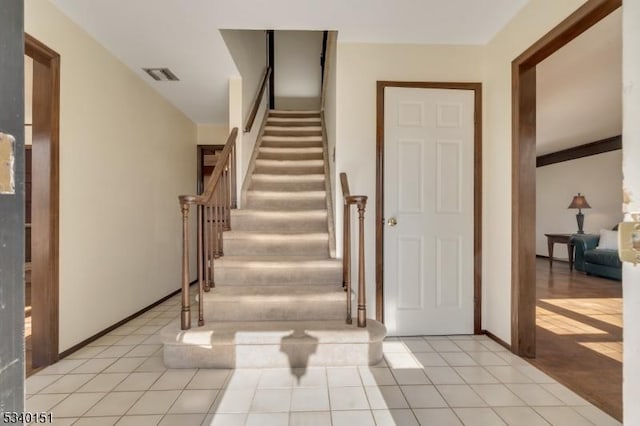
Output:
x,y
293,167
238,243
276,270
292,131
275,303
266,221
293,121
286,200
291,141
275,182
268,153
293,114
269,344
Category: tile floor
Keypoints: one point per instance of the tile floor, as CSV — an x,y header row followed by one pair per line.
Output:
x,y
455,380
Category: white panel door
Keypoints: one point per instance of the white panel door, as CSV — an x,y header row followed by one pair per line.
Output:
x,y
428,191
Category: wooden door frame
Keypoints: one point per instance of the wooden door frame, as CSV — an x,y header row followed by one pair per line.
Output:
x,y
45,202
523,220
477,191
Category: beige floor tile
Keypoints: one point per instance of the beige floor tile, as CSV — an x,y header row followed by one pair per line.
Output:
x,y
351,418
114,404
103,382
487,358
125,365
244,379
40,403
139,420
597,416
154,402
88,352
443,376
479,417
37,382
174,380
431,359
562,416
138,381
437,416
534,395
267,419
423,396
497,395
64,366
458,359
564,394
317,418
343,376
394,418
508,374
233,401
520,416
376,376
276,378
475,375
76,404
410,376
153,364
348,398
402,360
385,397
114,351
182,420
310,399
445,346
95,366
97,421
224,419
194,401
209,379
271,401
460,396
418,345
314,377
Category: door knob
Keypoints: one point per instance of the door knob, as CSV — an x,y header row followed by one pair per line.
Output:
x,y
392,221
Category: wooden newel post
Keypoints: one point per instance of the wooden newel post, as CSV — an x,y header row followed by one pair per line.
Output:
x,y
362,296
346,261
185,319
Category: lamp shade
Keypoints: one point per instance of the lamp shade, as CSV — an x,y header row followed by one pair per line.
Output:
x,y
579,202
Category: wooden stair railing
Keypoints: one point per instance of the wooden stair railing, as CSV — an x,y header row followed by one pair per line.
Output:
x,y
361,202
255,106
214,217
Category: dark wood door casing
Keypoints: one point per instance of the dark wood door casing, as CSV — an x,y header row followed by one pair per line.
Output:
x,y
477,190
45,202
523,220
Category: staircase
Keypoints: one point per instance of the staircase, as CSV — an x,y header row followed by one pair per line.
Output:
x,y
278,299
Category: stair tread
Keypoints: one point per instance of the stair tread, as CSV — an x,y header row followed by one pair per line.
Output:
x,y
306,236
288,178
291,138
273,332
286,194
280,213
294,111
280,293
278,261
294,118
289,150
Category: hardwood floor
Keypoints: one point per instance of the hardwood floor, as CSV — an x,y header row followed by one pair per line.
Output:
x,y
579,333
27,323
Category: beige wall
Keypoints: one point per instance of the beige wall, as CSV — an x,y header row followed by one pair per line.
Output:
x,y
359,66
598,178
125,156
212,134
534,20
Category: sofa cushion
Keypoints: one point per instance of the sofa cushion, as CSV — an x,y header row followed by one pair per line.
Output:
x,y
603,257
608,240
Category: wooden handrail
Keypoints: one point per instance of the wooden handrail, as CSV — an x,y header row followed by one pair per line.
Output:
x,y
213,218
361,202
257,99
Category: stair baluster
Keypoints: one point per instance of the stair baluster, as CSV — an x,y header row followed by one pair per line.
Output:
x,y
213,217
361,202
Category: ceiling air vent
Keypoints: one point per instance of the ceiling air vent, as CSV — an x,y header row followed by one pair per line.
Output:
x,y
161,74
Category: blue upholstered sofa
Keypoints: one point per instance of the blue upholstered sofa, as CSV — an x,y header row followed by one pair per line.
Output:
x,y
595,261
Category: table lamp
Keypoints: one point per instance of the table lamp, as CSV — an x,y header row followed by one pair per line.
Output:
x,y
579,202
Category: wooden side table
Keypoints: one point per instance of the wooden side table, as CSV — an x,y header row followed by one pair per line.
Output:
x,y
561,239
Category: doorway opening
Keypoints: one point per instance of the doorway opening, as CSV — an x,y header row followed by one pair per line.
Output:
x,y
476,89
524,125
44,228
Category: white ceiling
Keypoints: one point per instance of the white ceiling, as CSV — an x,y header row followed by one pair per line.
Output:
x,y
579,89
184,35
